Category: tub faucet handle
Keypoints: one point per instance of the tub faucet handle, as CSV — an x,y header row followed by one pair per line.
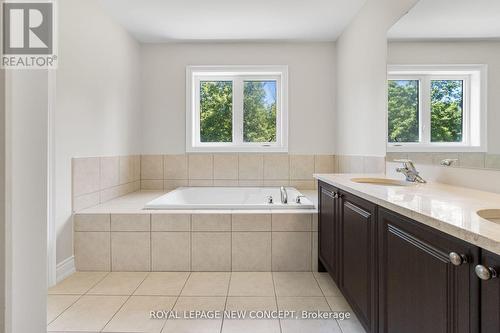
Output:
x,y
270,199
297,200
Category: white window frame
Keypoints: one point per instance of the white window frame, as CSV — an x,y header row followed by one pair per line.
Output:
x,y
474,137
237,75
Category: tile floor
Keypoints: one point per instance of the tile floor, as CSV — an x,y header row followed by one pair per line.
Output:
x,y
121,302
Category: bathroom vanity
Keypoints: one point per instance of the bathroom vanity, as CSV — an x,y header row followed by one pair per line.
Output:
x,y
411,258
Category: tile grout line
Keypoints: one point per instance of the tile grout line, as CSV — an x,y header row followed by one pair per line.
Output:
x,y
69,306
225,303
276,300
128,298
176,300
336,320
79,297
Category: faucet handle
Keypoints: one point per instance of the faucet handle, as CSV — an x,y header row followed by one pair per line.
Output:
x,y
448,161
297,199
407,163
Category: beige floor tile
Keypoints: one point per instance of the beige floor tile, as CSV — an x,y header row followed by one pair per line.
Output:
x,y
351,325
328,287
89,313
338,303
77,283
134,314
267,303
56,304
200,303
250,326
119,283
163,284
193,326
296,284
310,326
207,284
303,303
251,284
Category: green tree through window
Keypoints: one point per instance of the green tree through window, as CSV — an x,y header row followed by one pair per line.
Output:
x,y
216,111
447,110
259,111
403,110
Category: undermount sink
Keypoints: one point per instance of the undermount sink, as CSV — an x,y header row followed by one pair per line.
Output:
x,y
381,181
492,215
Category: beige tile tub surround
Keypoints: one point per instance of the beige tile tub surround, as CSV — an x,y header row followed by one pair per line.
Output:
x,y
99,179
360,164
208,241
234,169
464,160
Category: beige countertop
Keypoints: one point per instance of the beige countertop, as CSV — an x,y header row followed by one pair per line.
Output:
x,y
444,207
133,203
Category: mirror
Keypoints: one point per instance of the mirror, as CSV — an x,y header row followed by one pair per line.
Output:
x,y
444,82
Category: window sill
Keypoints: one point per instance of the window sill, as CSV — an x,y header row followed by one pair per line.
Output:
x,y
237,149
438,148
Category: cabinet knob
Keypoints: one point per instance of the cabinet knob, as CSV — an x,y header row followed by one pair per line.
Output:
x,y
457,259
335,195
485,273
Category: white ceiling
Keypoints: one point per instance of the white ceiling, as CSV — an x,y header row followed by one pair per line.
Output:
x,y
258,20
449,19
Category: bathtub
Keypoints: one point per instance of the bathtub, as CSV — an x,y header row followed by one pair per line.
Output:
x,y
228,198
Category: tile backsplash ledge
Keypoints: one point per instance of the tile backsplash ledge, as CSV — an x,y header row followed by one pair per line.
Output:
x,y
464,160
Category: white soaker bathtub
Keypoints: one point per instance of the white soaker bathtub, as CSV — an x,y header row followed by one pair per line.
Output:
x,y
228,198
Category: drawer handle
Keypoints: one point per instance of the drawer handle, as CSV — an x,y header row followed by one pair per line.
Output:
x,y
457,259
485,273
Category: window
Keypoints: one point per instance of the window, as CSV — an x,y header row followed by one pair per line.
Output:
x,y
437,108
236,108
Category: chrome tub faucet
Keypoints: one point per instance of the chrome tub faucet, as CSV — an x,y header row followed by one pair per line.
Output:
x,y
284,195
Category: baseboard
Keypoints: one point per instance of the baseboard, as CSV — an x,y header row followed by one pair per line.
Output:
x,y
65,269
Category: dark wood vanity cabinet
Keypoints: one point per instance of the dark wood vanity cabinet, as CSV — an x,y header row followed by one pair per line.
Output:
x,y
401,276
328,229
358,259
421,289
490,293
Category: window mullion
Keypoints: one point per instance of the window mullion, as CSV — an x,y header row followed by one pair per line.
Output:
x,y
425,110
238,110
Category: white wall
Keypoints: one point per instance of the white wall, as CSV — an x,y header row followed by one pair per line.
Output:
x,y
362,76
473,52
98,107
2,199
311,89
26,200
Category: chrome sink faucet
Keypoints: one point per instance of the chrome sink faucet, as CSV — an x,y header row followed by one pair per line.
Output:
x,y
284,195
409,171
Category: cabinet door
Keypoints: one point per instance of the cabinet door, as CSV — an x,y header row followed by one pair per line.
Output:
x,y
420,289
490,294
327,228
358,258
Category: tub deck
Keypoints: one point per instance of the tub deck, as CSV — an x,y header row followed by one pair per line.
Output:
x,y
133,203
